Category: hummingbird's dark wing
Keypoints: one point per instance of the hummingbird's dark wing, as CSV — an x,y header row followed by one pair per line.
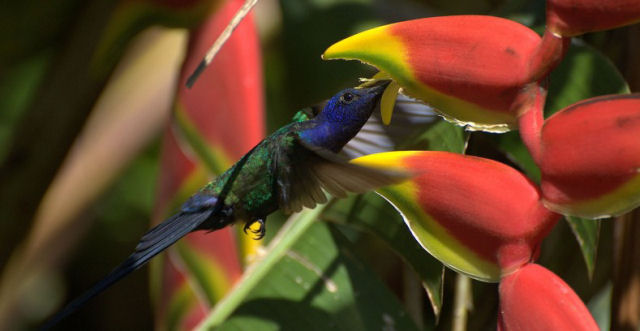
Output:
x,y
304,170
410,119
153,242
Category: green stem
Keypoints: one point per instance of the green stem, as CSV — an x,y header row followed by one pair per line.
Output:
x,y
288,235
462,302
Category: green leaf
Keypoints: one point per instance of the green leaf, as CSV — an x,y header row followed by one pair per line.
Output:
x,y
443,136
317,285
584,73
373,214
587,233
288,235
515,150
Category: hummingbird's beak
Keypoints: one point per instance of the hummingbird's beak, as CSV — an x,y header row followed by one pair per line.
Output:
x,y
379,86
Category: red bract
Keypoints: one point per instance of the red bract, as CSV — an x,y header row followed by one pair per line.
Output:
x,y
216,122
534,298
476,215
574,17
591,157
471,68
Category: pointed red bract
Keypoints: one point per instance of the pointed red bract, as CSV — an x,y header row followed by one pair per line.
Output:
x,y
534,298
471,68
489,207
476,215
574,17
591,157
463,56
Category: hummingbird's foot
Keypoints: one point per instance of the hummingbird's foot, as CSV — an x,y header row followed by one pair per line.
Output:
x,y
259,232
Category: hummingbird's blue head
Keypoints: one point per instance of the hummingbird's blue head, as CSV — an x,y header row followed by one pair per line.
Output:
x,y
342,117
353,104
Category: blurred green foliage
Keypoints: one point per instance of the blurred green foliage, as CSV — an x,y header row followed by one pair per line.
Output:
x,y
118,218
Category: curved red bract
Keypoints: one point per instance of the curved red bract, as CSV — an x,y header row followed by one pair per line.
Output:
x,y
480,59
534,298
575,17
591,148
489,207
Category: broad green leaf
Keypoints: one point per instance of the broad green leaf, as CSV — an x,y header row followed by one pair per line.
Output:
x,y
443,136
318,286
515,150
584,73
306,280
372,213
587,233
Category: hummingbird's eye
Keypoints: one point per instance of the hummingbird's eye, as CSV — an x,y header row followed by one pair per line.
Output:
x,y
347,98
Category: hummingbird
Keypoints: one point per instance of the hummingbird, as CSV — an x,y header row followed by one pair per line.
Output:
x,y
290,169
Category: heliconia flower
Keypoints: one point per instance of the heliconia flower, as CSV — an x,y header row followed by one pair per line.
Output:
x,y
590,161
574,17
209,131
475,215
470,68
534,298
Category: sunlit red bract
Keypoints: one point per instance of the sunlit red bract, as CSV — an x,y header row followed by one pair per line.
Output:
x,y
471,68
534,298
476,215
591,157
574,17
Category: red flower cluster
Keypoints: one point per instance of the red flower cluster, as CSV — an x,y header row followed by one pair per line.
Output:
x,y
481,217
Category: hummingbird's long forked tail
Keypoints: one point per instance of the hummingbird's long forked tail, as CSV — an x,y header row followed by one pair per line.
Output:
x,y
153,242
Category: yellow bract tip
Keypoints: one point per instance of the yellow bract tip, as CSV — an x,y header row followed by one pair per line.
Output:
x,y
387,160
388,101
365,46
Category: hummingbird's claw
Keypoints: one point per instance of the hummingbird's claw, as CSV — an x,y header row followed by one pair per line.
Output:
x,y
259,232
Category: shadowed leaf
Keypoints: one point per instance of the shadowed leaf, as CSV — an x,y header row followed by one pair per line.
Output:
x,y
373,214
318,285
587,233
